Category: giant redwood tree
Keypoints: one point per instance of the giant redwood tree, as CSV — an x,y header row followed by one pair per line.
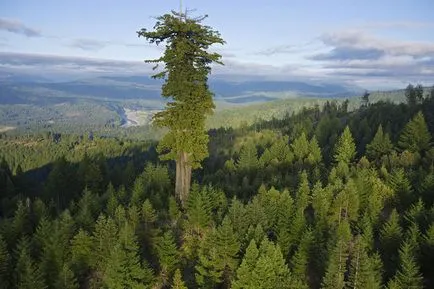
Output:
x,y
187,64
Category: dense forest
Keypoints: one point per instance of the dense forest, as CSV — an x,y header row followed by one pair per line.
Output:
x,y
334,195
323,198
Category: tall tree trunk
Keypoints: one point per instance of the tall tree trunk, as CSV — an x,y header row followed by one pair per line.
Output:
x,y
183,177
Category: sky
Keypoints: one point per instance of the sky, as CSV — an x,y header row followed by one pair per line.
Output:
x,y
370,43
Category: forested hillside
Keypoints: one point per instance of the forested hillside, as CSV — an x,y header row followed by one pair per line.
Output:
x,y
325,198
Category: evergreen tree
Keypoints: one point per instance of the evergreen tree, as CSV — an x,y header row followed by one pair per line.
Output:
x,y
177,281
263,268
402,188
345,148
123,268
66,279
248,160
418,92
364,270
300,147
302,195
390,239
408,275
380,145
167,255
81,253
104,239
365,99
410,95
148,229
218,256
28,275
415,136
428,251
138,191
300,262
5,263
315,155
186,67
247,267
198,220
336,268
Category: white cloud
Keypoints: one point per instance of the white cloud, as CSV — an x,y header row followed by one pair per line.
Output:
x,y
17,27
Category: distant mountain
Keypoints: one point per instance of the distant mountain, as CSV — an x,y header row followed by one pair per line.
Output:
x,y
33,89
9,77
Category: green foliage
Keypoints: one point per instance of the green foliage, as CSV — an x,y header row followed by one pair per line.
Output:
x,y
5,261
123,268
300,261
218,256
28,275
248,158
390,239
345,148
345,222
365,270
263,268
66,279
186,67
380,145
81,252
168,255
415,136
336,268
408,275
177,281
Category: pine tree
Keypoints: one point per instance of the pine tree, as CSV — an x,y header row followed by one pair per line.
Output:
x,y
390,239
104,239
174,211
186,67
300,261
408,275
148,230
198,212
5,263
300,147
21,224
380,145
365,99
177,281
336,268
81,253
410,95
28,275
168,255
418,91
66,279
415,136
248,159
123,268
286,222
247,267
345,148
302,195
315,155
218,256
401,185
270,267
364,271
428,251
263,268
138,191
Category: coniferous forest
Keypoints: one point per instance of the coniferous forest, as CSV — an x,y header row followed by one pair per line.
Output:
x,y
322,198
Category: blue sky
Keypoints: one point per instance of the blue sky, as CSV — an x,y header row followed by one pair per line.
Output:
x,y
370,43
